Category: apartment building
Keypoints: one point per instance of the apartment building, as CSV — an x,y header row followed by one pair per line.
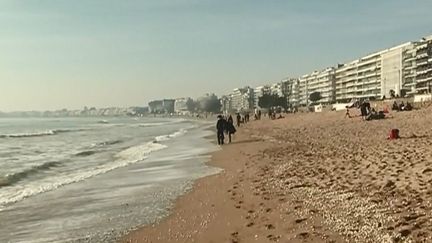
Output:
x,y
423,80
181,106
226,104
290,89
360,78
242,99
319,81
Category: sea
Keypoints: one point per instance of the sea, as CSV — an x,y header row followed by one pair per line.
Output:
x,y
92,179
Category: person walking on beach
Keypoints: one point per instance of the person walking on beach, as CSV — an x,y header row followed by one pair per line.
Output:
x,y
238,119
230,128
220,127
363,110
347,114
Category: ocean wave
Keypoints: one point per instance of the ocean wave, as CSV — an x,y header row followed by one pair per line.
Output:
x,y
40,134
124,158
128,156
107,143
170,136
86,153
155,124
13,178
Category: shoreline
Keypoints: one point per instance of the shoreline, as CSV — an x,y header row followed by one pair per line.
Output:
x,y
216,204
310,178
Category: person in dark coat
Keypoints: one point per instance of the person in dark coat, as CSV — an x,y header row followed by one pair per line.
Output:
x,y
238,119
220,127
363,110
230,128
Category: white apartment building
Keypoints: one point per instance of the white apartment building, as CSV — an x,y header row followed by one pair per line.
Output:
x,y
398,70
226,103
424,65
360,78
242,99
180,106
319,81
276,89
290,89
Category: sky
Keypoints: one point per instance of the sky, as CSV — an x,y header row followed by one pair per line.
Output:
x,y
58,54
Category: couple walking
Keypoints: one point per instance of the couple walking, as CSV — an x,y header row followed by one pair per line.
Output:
x,y
224,126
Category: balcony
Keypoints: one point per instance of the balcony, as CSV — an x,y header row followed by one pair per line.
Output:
x,y
424,79
420,56
422,46
422,63
409,59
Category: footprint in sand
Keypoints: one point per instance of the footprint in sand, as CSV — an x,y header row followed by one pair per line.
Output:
x,y
300,220
250,224
269,227
273,237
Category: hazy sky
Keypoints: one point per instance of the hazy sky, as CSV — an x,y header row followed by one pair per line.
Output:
x,y
71,53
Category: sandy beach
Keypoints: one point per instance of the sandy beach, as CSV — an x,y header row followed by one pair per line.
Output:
x,y
312,177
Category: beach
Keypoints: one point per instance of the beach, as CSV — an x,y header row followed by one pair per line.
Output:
x,y
311,177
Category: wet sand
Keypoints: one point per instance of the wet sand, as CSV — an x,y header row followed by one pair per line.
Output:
x,y
312,178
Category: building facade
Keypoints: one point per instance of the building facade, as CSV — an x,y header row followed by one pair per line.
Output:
x,y
319,81
242,99
290,89
181,106
162,106
423,82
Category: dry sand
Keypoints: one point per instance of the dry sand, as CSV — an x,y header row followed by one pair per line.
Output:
x,y
312,178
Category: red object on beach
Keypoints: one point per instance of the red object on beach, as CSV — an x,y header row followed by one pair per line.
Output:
x,y
394,134
386,110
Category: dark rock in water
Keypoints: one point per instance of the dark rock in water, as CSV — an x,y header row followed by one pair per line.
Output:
x,y
85,153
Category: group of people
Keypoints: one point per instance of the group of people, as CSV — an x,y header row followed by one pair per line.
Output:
x,y
225,125
367,113
402,106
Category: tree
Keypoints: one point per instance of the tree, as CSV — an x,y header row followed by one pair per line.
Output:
x,y
191,105
266,101
271,100
315,96
209,103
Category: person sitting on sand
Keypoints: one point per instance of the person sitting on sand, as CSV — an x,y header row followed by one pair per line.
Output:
x,y
408,107
402,106
395,106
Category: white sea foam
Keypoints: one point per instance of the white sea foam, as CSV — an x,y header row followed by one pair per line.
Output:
x,y
23,135
124,158
154,124
170,136
40,134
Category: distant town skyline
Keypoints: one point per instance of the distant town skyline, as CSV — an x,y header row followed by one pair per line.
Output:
x,y
102,53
